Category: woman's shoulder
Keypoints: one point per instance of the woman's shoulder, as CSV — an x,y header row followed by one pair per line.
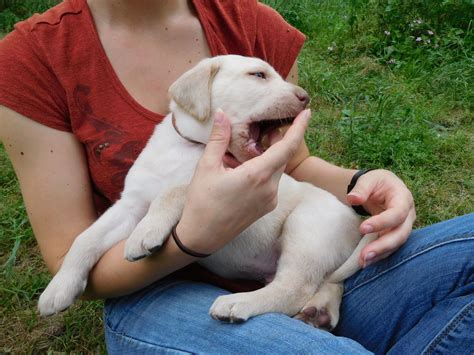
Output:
x,y
50,28
250,28
54,16
34,58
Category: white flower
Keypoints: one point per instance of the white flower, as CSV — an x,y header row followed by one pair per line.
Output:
x,y
431,33
330,49
387,32
428,41
418,39
419,21
392,61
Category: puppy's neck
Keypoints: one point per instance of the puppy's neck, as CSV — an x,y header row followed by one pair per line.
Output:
x,y
190,127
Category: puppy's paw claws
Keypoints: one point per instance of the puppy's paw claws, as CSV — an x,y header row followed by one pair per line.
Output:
x,y
142,243
134,258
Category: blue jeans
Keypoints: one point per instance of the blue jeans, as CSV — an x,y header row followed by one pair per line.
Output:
x,y
419,300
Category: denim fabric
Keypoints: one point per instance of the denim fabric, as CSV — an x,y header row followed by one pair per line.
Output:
x,y
419,300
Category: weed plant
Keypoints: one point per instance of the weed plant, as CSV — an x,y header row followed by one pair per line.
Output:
x,y
391,87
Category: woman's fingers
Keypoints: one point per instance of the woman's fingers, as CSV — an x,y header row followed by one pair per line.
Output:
x,y
363,189
390,218
230,161
388,242
398,205
218,141
277,156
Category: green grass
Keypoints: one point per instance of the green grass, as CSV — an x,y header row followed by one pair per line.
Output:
x,y
413,116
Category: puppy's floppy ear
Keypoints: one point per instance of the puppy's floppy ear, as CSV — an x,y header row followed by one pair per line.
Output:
x,y
192,91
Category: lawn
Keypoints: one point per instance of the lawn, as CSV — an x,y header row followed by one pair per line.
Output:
x,y
391,87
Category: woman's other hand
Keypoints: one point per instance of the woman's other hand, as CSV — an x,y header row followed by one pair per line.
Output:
x,y
392,207
221,202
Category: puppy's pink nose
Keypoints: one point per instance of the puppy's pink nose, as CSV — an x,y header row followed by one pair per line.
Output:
x,y
302,96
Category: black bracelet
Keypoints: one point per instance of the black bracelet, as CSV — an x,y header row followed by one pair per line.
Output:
x,y
183,248
358,208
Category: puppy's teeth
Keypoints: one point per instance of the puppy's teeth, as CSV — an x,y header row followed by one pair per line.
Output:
x,y
265,141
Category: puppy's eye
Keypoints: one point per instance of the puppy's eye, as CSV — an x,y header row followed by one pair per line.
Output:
x,y
259,74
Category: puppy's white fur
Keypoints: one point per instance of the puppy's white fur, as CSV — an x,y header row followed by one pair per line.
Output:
x,y
308,243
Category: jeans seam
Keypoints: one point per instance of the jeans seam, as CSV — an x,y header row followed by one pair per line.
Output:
x,y
406,260
132,339
452,324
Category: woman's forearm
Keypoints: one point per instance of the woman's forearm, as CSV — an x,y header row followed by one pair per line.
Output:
x,y
114,276
324,175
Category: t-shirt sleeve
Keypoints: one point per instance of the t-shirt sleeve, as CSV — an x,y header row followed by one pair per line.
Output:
x,y
277,42
28,84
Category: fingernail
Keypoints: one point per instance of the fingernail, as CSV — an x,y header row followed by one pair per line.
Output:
x,y
219,116
366,229
369,258
307,113
354,194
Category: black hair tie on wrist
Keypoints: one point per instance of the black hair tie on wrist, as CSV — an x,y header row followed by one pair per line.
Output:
x,y
358,208
183,248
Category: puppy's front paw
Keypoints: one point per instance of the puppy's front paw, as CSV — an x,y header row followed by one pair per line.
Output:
x,y
322,311
231,308
143,241
61,292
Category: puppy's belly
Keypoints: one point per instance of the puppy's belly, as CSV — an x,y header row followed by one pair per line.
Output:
x,y
253,255
261,267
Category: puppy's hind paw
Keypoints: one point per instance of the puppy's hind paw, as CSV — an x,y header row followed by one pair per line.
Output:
x,y
322,310
318,318
61,292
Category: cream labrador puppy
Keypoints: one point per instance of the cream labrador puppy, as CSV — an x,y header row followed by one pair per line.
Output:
x,y
307,246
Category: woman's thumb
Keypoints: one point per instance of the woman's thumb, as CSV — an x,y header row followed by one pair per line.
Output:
x,y
360,193
219,139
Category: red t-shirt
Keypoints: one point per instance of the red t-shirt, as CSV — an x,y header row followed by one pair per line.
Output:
x,y
54,70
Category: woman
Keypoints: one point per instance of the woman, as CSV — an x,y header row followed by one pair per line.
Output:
x,y
82,87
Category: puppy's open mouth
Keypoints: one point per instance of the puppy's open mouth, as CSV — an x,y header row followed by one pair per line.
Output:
x,y
261,133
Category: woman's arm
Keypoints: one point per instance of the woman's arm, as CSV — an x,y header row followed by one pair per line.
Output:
x,y
325,175
51,168
54,180
316,171
381,193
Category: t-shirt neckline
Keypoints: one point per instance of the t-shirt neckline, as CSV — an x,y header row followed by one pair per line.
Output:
x,y
115,80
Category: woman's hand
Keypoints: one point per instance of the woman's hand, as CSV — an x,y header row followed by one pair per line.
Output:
x,y
221,202
391,204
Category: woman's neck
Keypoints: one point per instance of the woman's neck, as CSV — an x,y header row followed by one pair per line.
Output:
x,y
138,12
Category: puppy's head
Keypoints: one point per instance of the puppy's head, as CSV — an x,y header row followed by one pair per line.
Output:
x,y
253,95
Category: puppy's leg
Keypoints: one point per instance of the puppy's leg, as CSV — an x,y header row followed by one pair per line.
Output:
x,y
113,226
322,310
351,265
302,266
155,227
287,294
